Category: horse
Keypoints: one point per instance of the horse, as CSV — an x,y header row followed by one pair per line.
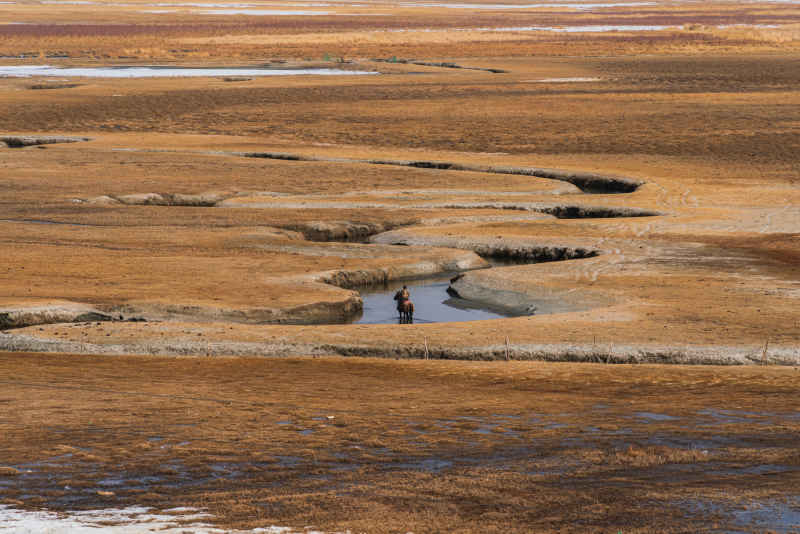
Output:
x,y
406,309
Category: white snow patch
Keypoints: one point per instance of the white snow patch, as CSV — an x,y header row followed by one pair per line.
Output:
x,y
131,520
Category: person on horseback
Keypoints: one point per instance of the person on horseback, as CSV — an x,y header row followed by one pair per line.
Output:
x,y
404,306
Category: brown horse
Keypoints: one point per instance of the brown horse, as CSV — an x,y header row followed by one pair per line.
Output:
x,y
406,309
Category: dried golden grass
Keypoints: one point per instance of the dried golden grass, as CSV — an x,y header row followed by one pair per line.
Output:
x,y
543,481
784,35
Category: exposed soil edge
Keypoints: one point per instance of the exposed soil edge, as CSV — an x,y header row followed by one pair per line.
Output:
x,y
560,211
207,200
50,314
41,86
342,231
319,312
586,182
20,141
367,277
616,354
521,252
442,64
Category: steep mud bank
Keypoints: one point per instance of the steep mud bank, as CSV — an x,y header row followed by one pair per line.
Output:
x,y
494,249
595,212
560,211
440,64
336,308
341,231
45,86
207,200
20,316
586,182
415,271
21,141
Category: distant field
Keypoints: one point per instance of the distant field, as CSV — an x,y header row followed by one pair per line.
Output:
x,y
145,32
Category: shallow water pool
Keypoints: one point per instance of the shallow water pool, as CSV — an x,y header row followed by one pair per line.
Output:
x,y
432,304
24,71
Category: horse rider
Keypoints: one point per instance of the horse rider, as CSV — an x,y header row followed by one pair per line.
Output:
x,y
402,296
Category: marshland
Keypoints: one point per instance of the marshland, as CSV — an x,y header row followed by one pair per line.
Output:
x,y
207,208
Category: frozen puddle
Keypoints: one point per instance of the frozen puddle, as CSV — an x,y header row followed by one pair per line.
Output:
x,y
161,72
432,304
131,520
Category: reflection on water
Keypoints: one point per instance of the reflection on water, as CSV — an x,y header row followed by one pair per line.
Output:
x,y
432,304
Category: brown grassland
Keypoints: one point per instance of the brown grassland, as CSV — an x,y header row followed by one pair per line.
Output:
x,y
174,314
376,445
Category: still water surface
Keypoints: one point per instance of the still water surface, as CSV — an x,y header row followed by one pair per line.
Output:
x,y
432,304
24,71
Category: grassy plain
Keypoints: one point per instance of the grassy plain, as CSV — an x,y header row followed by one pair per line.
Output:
x,y
160,216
